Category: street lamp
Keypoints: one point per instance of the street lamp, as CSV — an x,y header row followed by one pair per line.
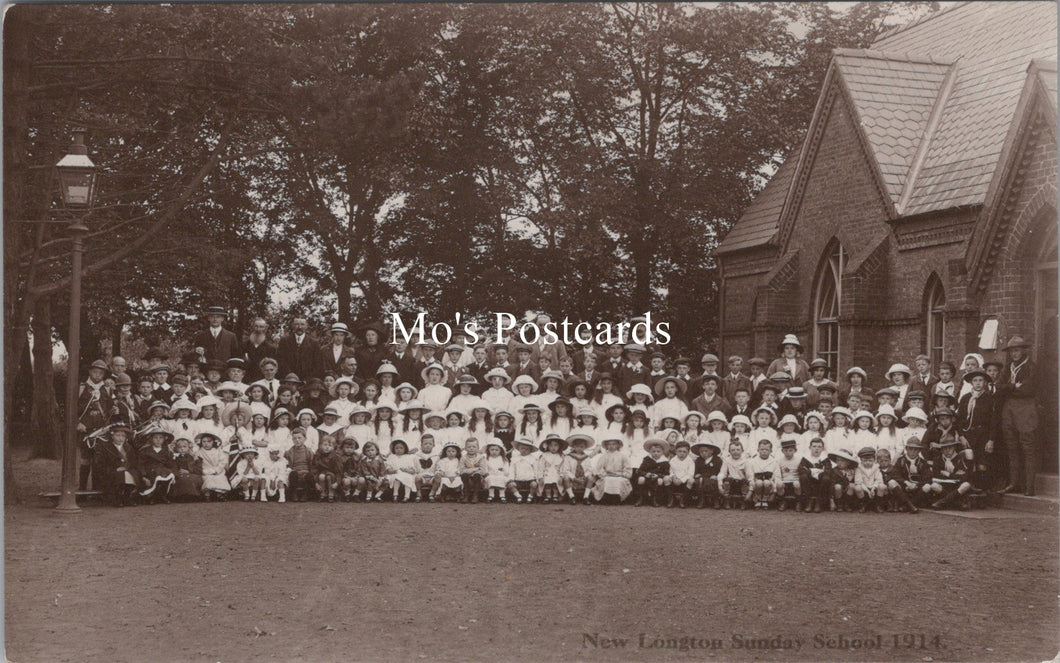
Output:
x,y
77,184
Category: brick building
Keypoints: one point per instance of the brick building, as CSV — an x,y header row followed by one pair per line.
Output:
x,y
921,204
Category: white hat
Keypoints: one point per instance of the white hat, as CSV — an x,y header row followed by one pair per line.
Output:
x,y
207,401
887,409
345,379
814,414
860,414
308,411
524,379
406,385
740,419
228,385
340,327
693,413
717,415
790,339
262,409
898,368
184,404
384,404
586,411
430,367
788,419
640,388
654,441
414,404
498,372
915,414
434,414
356,409
386,367
843,411
857,370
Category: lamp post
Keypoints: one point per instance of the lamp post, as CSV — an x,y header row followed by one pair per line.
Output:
x,y
77,183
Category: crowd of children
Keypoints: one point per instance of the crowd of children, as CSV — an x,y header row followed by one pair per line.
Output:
x,y
618,430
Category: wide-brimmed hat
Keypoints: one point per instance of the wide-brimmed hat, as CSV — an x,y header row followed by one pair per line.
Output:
x,y
553,374
660,386
207,433
398,440
574,437
122,379
885,410
843,411
433,414
561,400
430,367
261,409
814,414
524,379
259,384
293,379
454,347
899,368
358,408
329,412
414,404
944,412
914,442
214,365
740,419
765,408
530,407
914,414
553,437
339,327
308,411
612,437
616,406
466,378
789,339
250,449
788,419
494,442
654,441
844,454
314,383
184,404
235,362
643,389
717,415
796,393
155,429
100,364
121,425
862,414
1016,341
372,326
857,370
693,413
703,442
383,404
634,410
524,441
161,404
278,412
407,385
976,372
586,411
498,373
600,377
346,380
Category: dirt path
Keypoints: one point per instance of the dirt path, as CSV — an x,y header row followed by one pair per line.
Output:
x,y
239,582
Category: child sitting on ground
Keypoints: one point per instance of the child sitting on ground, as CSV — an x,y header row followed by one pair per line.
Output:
x,y
682,474
496,471
653,475
473,470
813,473
371,473
327,468
401,469
274,473
788,489
549,463
734,480
300,465
764,471
708,466
447,483
522,483
612,471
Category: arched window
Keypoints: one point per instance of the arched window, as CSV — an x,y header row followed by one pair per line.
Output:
x,y
827,295
934,307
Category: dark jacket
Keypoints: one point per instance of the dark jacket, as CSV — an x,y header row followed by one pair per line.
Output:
x,y
223,348
302,360
109,464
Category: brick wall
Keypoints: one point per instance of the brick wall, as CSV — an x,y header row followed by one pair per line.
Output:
x,y
883,316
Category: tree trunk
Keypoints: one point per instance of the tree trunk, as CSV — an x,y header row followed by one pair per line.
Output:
x,y
45,419
115,339
343,284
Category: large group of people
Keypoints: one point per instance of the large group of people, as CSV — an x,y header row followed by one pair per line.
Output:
x,y
371,420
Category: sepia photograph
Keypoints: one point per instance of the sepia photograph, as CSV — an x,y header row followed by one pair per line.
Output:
x,y
584,331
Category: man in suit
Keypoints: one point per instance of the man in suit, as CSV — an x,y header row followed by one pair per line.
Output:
x,y
478,367
256,348
298,352
554,351
633,371
216,342
332,356
922,378
579,355
735,379
404,362
1019,416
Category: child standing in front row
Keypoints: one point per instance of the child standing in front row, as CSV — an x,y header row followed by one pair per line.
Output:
x,y
868,482
473,470
788,489
612,471
496,471
327,467
682,474
447,481
765,471
813,473
522,483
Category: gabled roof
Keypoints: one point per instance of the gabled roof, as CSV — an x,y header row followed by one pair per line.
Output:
x,y
934,101
993,42
893,95
758,224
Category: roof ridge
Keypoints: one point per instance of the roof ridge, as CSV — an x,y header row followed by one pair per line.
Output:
x,y
1042,64
898,29
892,56
920,155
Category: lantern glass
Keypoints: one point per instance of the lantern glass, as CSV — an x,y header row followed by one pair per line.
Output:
x,y
77,185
